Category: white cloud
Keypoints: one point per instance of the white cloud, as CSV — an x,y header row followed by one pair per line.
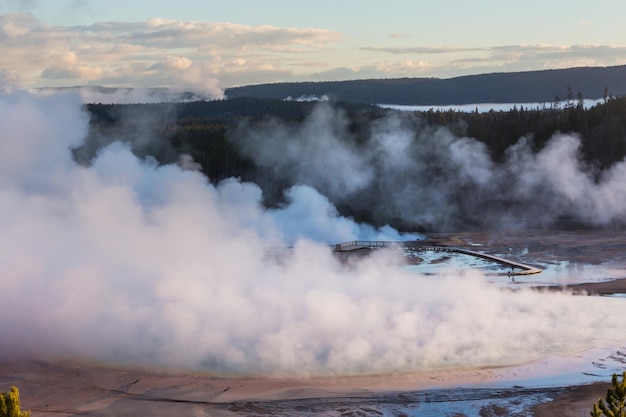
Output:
x,y
404,68
420,50
67,66
11,30
163,52
156,52
173,63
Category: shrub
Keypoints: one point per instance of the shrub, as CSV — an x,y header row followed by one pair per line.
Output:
x,y
615,403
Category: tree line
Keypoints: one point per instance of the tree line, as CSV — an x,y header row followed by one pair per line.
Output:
x,y
204,130
601,128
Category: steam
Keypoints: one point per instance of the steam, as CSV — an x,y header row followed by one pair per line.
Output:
x,y
423,176
126,261
179,92
324,97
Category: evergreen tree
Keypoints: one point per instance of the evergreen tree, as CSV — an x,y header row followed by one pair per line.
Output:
x,y
10,404
615,403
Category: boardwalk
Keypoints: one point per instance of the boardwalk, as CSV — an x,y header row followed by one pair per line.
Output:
x,y
517,268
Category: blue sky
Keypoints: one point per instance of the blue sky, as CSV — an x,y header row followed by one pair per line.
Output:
x,y
211,45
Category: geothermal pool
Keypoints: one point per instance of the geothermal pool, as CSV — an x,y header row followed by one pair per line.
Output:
x,y
565,257
497,347
553,272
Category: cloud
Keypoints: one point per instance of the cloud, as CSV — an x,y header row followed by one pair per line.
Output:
x,y
67,66
527,57
556,52
173,63
400,35
145,54
421,50
140,54
504,58
8,80
167,34
406,68
528,52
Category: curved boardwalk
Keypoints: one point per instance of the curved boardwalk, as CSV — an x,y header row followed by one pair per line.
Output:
x,y
517,268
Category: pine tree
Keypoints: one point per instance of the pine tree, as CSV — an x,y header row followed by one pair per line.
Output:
x,y
615,403
10,404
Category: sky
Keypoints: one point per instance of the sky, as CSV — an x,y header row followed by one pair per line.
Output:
x,y
212,45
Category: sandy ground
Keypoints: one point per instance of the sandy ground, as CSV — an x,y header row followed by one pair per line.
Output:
x,y
61,388
55,388
574,402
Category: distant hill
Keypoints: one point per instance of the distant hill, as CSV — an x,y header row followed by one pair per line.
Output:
x,y
514,87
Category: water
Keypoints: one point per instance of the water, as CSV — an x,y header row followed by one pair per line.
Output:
x,y
482,107
554,273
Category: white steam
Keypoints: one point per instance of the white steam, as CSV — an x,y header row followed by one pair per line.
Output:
x,y
424,176
129,261
206,89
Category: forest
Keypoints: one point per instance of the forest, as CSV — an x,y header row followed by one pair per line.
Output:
x,y
511,87
216,134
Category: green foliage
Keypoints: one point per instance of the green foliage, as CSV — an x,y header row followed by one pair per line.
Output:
x,y
10,404
614,405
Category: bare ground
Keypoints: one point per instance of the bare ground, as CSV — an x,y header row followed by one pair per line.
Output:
x,y
50,388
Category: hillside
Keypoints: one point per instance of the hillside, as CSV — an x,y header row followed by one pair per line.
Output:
x,y
516,87
430,171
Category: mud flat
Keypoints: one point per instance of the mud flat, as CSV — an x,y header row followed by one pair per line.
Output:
x,y
50,388
616,287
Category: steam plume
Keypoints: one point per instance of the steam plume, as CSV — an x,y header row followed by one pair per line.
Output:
x,y
423,176
127,261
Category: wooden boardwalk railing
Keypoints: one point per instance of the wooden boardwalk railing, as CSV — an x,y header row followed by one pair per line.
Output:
x,y
517,268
